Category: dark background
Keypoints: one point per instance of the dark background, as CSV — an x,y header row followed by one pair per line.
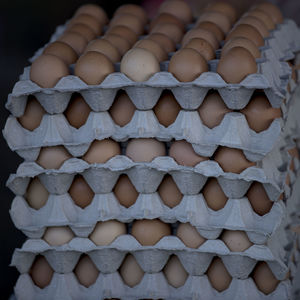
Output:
x,y
26,26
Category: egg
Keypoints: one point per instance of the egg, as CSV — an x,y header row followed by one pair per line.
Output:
x,y
47,70
80,192
133,9
241,42
177,8
217,18
94,10
187,64
149,232
119,42
236,240
184,154
41,272
257,23
130,271
169,29
106,232
264,279
125,32
139,64
83,30
175,273
145,149
131,21
101,151
201,46
36,194
169,192
259,113
164,41
53,157
125,191
153,47
166,18
213,28
63,51
58,235
203,34
259,199
272,11
88,20
218,275
232,160
93,67
263,17
236,65
212,110
86,271
223,7
166,109
189,235
214,195
105,47
74,40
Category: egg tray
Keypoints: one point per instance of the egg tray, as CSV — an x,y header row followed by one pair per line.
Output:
x,y
107,286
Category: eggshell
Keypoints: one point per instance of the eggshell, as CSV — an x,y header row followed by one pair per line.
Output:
x,y
125,32
213,28
82,29
80,192
169,192
212,110
119,42
47,70
272,11
232,160
86,271
93,67
133,9
174,272
263,17
131,21
36,194
41,272
101,151
164,41
295,154
130,271
170,30
139,64
223,7
63,51
257,23
214,195
153,47
166,18
94,10
88,20
149,232
106,232
52,157
184,154
236,240
203,34
125,191
74,40
58,235
187,64
218,18
189,235
236,65
145,149
201,46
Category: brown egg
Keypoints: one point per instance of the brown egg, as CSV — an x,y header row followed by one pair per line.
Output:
x,y
225,8
36,194
236,240
166,109
214,195
63,51
88,20
212,110
257,23
236,65
153,47
93,67
203,47
131,21
263,17
164,41
80,192
94,10
247,31
218,275
139,64
133,9
58,235
170,30
52,157
166,18
259,199
232,160
217,18
213,28
105,47
187,64
101,151
125,191
106,232
82,29
184,154
74,40
119,42
169,192
77,111
41,272
175,273
189,235
47,70
272,11
125,32
33,114
241,42
264,279
177,8
86,271
203,34
145,149
149,232
130,271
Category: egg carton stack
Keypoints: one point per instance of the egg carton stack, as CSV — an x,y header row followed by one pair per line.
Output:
x,y
245,241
